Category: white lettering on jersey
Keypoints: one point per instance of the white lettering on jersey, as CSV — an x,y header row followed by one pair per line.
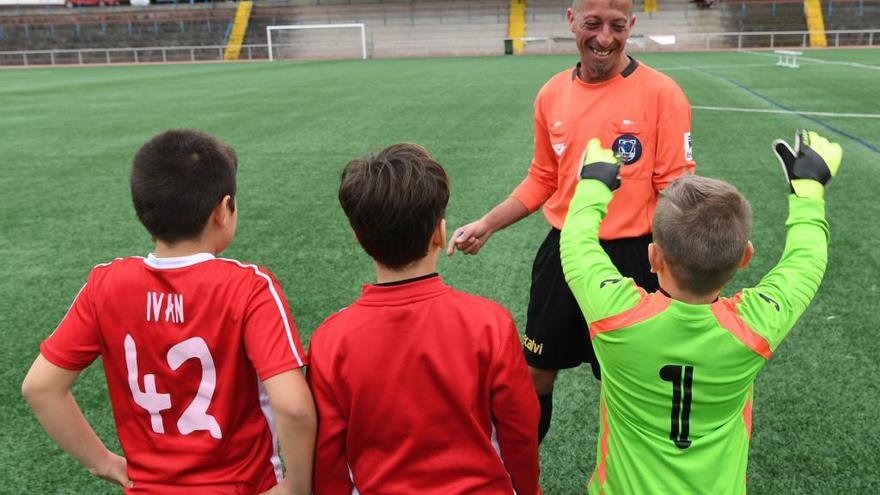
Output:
x,y
154,303
149,398
196,416
173,307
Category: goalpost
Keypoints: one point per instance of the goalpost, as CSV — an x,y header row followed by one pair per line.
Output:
x,y
326,46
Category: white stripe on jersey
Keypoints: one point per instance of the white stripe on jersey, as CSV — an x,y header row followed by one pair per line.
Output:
x,y
354,490
267,412
99,265
277,303
72,303
498,450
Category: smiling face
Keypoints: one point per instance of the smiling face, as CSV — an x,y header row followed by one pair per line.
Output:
x,y
601,28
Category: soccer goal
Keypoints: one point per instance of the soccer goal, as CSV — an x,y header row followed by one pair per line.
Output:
x,y
317,41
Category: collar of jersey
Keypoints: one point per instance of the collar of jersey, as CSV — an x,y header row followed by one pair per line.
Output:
x,y
378,295
177,261
685,310
626,72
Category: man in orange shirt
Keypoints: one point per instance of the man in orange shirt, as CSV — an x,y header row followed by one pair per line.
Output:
x,y
639,113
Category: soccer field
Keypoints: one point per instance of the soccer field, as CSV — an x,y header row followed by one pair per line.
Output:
x,y
68,135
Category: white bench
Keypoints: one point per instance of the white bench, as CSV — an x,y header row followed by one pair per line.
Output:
x,y
788,58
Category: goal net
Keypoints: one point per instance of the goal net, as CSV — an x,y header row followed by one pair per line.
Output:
x,y
316,41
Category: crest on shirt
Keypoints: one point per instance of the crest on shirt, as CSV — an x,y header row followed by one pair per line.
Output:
x,y
628,148
559,148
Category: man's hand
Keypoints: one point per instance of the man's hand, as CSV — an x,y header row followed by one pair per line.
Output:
x,y
601,164
113,469
470,238
812,163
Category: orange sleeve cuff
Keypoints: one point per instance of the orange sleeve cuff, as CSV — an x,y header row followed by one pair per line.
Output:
x,y
532,194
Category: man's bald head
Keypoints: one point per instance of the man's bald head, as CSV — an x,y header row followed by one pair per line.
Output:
x,y
601,29
622,5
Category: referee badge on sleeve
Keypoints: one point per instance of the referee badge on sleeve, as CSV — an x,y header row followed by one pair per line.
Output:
x,y
688,147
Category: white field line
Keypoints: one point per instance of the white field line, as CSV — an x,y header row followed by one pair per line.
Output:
x,y
698,67
818,60
796,112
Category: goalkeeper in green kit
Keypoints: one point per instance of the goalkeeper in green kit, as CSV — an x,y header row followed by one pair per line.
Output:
x,y
678,365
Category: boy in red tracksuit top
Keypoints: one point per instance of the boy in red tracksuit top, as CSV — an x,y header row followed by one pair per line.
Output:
x,y
419,388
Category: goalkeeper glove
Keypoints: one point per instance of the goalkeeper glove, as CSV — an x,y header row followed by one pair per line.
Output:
x,y
601,164
811,164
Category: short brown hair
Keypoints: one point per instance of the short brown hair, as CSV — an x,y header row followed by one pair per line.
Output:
x,y
394,201
703,226
177,179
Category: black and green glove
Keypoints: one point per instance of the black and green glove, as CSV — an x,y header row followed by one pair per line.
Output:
x,y
601,164
812,163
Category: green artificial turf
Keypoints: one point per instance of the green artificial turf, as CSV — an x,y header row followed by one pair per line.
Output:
x,y
68,135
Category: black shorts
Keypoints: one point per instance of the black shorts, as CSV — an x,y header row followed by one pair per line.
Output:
x,y
557,336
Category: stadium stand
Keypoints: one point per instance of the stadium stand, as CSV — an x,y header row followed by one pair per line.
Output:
x,y
158,25
238,31
545,24
395,28
399,28
788,15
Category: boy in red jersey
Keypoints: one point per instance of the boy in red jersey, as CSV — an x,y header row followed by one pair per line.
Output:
x,y
419,388
201,357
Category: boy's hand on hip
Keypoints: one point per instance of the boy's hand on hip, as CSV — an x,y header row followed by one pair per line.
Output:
x,y
114,469
810,165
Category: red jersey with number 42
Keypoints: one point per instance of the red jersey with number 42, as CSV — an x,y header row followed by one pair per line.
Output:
x,y
185,344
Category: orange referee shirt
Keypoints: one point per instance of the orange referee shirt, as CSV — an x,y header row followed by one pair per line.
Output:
x,y
640,113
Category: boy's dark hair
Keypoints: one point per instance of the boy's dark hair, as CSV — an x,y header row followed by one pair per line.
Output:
x,y
394,202
702,225
177,179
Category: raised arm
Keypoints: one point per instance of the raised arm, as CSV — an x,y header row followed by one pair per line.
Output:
x,y
774,305
598,286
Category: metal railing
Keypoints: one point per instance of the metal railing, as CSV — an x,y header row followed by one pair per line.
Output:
x,y
136,55
411,47
564,43
771,39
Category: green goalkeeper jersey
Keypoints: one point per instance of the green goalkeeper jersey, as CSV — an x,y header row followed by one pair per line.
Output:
x,y
676,393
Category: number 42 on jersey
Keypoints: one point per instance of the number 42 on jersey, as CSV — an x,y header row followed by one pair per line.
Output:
x,y
195,417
